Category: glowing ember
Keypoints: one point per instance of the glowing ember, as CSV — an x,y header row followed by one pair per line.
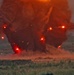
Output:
x,y
59,46
3,37
17,49
50,28
63,27
42,39
5,26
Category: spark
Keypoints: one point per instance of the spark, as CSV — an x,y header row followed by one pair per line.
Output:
x,y
2,37
63,27
50,28
44,0
4,27
42,39
59,47
16,49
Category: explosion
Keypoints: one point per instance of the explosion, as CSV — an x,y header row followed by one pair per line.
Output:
x,y
28,20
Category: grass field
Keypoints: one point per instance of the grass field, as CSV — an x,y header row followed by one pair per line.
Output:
x,y
27,67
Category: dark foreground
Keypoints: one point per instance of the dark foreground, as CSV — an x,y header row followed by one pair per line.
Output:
x,y
28,67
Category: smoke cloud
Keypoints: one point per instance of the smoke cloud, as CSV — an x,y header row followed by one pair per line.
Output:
x,y
1,1
71,5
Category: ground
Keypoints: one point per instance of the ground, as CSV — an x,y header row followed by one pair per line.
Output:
x,y
55,61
